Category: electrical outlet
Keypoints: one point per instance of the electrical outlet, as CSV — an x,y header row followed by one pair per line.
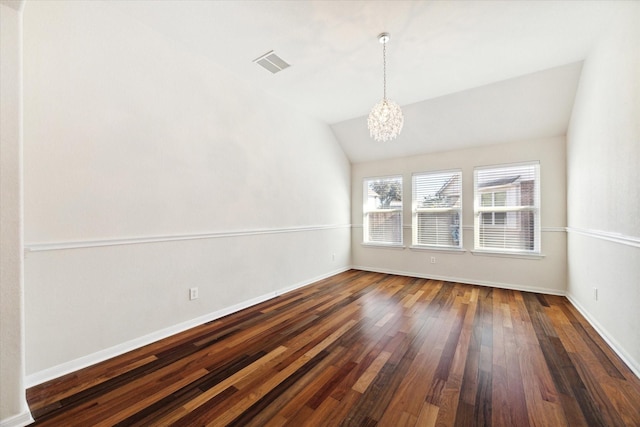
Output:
x,y
193,293
595,294
433,260
333,257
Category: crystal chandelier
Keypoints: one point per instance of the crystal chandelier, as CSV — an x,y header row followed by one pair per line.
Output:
x,y
385,120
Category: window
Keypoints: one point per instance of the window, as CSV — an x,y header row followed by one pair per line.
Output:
x,y
498,198
437,209
382,209
507,208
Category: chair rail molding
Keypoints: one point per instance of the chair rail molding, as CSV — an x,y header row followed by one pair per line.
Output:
x,y
52,246
606,235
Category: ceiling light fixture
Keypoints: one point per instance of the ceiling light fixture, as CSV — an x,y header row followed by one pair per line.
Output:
x,y
385,120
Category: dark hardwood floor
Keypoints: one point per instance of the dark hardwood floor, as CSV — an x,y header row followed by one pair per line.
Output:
x,y
363,349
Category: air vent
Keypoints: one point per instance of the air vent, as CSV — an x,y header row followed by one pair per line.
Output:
x,y
271,62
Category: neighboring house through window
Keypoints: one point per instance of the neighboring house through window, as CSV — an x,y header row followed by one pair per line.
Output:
x,y
382,210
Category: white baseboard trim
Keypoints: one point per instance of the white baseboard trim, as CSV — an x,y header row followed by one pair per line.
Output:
x,y
19,420
117,350
537,290
633,364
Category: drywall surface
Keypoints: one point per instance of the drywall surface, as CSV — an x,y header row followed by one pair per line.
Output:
x,y
545,274
150,170
603,160
13,404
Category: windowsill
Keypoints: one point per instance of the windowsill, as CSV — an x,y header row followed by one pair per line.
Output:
x,y
521,255
382,245
438,249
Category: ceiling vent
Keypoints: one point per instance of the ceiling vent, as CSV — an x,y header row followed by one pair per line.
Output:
x,y
271,62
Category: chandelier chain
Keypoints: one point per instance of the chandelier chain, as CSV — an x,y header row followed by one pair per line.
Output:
x,y
384,71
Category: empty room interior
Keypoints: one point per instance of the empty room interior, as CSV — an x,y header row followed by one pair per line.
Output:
x,y
320,213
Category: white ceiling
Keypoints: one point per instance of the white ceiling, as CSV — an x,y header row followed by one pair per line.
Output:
x,y
456,48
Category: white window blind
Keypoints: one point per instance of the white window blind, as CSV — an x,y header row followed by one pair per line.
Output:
x,y
382,208
437,209
507,208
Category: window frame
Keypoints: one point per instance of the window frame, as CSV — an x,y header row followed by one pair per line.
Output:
x,y
366,210
479,210
416,210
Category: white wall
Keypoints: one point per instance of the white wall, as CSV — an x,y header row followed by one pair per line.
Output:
x,y
603,160
13,404
547,274
150,170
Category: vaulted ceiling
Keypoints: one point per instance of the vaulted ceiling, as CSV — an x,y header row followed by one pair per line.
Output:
x,y
465,73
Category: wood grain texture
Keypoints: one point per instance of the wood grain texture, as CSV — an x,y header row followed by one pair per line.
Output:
x,y
363,349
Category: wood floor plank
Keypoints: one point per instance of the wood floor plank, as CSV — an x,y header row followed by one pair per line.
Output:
x,y
365,349
294,394
428,415
450,395
544,404
517,404
109,418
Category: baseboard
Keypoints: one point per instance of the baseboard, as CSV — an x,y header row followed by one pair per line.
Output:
x,y
19,420
117,350
633,364
511,286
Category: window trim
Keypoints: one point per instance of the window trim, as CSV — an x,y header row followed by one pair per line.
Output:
x,y
415,210
365,212
478,210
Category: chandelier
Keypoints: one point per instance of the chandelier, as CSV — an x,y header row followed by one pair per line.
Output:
x,y
385,120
